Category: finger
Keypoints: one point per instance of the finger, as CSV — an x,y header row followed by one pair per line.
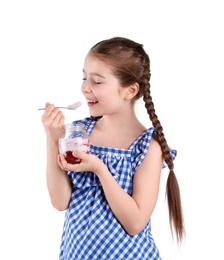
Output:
x,y
79,154
59,119
53,116
63,163
48,109
47,104
47,112
67,166
51,112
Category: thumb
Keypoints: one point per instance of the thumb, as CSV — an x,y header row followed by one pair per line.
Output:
x,y
78,154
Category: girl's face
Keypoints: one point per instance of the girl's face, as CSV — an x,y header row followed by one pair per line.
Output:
x,y
102,90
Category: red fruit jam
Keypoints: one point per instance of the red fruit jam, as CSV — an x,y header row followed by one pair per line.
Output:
x,y
70,158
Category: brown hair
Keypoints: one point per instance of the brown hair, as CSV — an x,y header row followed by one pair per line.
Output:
x,y
130,63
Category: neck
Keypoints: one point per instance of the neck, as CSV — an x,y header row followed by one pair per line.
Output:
x,y
121,122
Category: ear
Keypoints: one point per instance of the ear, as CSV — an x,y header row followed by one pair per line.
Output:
x,y
131,91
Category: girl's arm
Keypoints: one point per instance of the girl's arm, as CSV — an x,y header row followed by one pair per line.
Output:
x,y
133,212
58,183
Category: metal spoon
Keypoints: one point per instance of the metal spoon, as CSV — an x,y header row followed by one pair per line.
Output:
x,y
70,107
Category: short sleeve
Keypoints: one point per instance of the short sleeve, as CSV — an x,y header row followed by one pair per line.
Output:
x,y
141,146
173,154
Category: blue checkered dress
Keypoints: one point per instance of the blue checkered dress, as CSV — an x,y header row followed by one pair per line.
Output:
x,y
91,231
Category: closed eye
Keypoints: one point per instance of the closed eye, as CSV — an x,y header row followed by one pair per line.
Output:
x,y
93,81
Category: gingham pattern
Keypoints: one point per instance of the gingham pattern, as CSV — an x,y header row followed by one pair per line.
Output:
x,y
91,231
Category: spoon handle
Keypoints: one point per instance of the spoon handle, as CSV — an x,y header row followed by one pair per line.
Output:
x,y
70,107
43,108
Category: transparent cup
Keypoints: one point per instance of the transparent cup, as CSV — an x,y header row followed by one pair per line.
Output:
x,y
76,138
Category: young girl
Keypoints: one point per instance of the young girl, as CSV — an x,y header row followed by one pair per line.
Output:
x,y
111,194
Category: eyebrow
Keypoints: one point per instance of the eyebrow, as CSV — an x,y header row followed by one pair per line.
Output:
x,y
95,74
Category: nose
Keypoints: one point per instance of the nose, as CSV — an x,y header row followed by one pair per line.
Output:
x,y
86,87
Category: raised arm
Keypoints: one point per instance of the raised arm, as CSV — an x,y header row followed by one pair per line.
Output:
x,y
58,183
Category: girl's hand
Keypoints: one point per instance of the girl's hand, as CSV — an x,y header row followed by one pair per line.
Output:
x,y
53,121
89,162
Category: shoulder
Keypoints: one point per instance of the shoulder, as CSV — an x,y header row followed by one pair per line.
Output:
x,y
153,158
154,147
140,147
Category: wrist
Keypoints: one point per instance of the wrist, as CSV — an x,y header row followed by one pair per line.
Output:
x,y
102,171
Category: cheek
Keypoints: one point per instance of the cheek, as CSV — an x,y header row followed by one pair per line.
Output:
x,y
99,94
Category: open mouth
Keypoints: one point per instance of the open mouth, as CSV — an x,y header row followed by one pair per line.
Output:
x,y
92,102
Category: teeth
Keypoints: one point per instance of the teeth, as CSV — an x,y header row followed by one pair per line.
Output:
x,y
92,101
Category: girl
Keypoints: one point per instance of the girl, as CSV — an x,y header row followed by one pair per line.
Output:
x,y
110,196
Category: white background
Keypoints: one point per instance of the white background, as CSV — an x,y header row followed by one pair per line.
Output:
x,y
42,47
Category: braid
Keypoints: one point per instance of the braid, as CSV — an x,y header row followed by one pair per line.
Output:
x,y
172,187
159,130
